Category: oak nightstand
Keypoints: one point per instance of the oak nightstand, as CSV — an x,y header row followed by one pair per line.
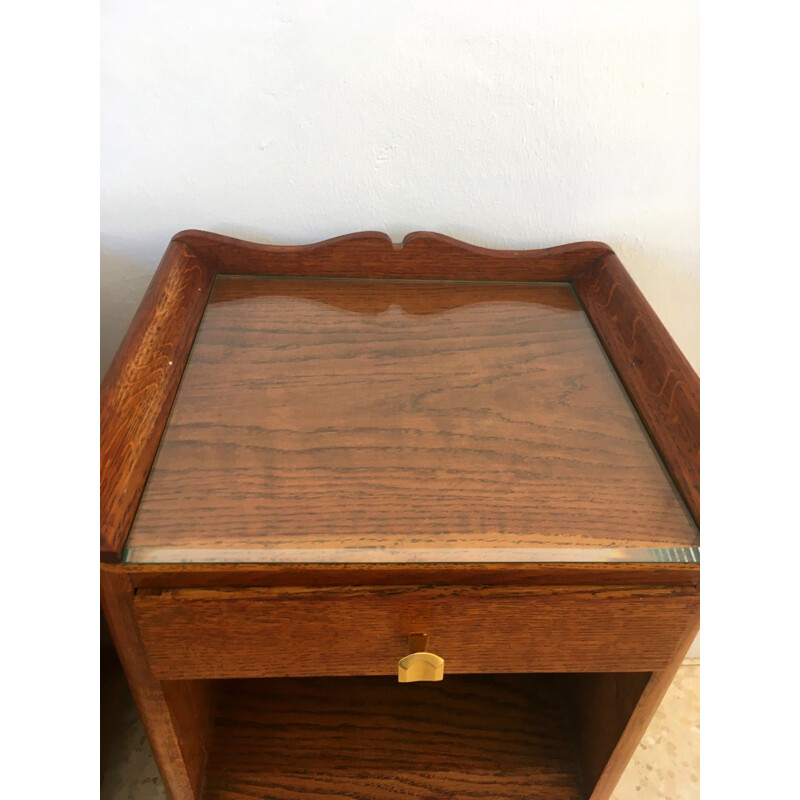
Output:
x,y
397,523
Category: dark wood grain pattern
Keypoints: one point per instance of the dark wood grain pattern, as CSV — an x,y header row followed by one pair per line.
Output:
x,y
363,631
191,707
471,738
401,421
422,255
662,384
349,420
187,576
130,434
601,705
177,732
139,386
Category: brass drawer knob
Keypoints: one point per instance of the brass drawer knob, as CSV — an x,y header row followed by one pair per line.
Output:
x,y
420,665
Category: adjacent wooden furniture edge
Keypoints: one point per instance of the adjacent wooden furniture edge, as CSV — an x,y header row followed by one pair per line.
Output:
x,y
139,388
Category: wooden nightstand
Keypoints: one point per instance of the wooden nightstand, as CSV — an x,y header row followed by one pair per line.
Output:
x,y
317,461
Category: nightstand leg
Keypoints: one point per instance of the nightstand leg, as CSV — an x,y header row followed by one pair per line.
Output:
x,y
176,715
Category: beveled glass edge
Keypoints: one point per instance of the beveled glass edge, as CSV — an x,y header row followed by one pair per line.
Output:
x,y
388,556
340,279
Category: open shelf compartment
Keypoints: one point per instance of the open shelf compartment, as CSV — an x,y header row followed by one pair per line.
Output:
x,y
505,737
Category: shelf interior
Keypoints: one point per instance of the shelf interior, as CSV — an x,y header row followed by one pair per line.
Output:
x,y
371,738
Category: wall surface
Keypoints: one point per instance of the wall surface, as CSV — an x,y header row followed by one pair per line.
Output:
x,y
505,124
518,124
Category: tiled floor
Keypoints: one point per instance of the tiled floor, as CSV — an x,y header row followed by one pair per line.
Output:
x,y
667,762
666,765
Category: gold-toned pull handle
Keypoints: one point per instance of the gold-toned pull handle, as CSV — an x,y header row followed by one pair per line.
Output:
x,y
421,665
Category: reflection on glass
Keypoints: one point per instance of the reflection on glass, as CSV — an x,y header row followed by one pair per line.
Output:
x,y
336,421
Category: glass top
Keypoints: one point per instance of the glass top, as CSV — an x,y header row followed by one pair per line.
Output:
x,y
353,421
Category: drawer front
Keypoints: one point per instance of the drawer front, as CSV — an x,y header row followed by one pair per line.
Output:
x,y
275,632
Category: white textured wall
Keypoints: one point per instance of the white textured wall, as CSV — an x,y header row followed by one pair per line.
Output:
x,y
517,124
506,124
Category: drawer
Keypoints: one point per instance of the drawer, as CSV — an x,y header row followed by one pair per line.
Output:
x,y
273,632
